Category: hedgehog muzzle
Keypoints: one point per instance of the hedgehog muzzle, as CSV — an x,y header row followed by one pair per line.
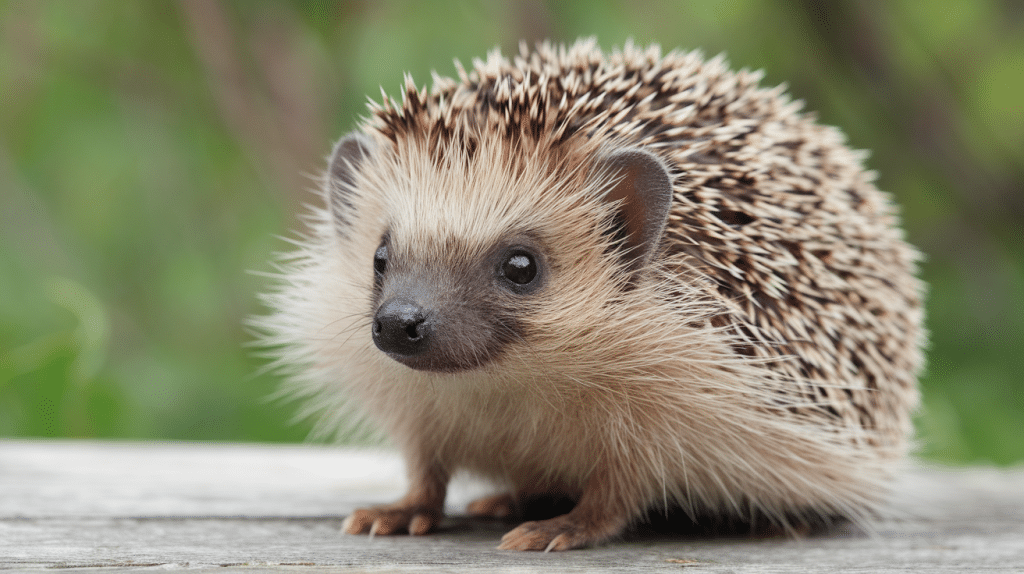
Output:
x,y
428,322
401,327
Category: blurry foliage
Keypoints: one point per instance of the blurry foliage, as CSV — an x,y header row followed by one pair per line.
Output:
x,y
151,152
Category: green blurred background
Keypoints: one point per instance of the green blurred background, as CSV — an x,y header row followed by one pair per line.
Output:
x,y
152,152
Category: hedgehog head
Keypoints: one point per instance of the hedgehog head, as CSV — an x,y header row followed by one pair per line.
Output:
x,y
479,242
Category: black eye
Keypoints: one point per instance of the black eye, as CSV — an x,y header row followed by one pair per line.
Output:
x,y
519,267
380,260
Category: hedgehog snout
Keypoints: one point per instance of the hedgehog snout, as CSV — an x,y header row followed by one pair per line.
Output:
x,y
400,327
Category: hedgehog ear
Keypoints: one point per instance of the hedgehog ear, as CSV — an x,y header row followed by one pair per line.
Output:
x,y
348,154
644,188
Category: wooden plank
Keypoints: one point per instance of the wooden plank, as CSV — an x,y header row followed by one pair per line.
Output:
x,y
96,506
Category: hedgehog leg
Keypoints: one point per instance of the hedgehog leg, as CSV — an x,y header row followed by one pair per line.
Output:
x,y
418,512
536,501
494,506
602,513
507,504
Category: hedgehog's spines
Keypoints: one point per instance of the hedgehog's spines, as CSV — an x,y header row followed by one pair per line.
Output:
x,y
762,363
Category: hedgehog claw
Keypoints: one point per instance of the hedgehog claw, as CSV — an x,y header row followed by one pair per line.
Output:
x,y
386,520
556,534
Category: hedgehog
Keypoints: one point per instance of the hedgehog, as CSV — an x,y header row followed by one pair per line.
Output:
x,y
631,280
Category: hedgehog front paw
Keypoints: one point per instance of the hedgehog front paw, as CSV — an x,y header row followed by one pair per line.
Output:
x,y
561,533
415,520
496,506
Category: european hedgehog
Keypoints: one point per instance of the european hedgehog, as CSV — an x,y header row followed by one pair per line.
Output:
x,y
631,280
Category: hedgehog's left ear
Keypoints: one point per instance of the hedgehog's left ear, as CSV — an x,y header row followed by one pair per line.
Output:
x,y
348,155
643,186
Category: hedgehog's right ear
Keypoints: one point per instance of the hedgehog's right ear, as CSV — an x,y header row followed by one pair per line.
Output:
x,y
643,186
348,154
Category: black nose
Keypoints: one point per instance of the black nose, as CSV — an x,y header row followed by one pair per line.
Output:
x,y
400,327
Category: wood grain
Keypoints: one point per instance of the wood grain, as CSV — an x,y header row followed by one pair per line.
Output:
x,y
98,506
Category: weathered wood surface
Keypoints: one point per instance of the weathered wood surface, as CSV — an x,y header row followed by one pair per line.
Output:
x,y
100,506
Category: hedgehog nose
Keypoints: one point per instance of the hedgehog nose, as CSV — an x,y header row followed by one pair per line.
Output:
x,y
400,327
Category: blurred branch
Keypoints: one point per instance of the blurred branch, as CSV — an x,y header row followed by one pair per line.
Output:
x,y
925,111
26,224
273,117
296,105
533,20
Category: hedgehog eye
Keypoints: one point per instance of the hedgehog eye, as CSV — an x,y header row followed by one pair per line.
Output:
x,y
519,268
380,260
